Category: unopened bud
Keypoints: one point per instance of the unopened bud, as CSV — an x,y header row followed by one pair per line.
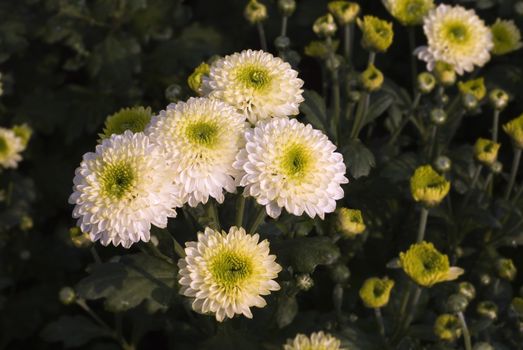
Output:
x,y
371,78
339,273
344,11
426,82
304,282
443,164
287,7
438,116
457,303
325,26
496,167
173,92
282,43
26,223
506,269
498,99
444,73
467,290
67,295
469,101
487,309
255,12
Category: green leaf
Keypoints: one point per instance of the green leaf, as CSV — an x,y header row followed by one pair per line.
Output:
x,y
314,109
305,253
287,310
359,158
128,282
379,103
73,331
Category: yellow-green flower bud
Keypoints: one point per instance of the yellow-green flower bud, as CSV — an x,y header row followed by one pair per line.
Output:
x,y
443,164
344,11
457,303
517,306
486,151
287,7
426,266
514,129
475,87
447,327
444,73
467,290
304,282
498,99
78,238
320,49
23,132
325,26
196,78
67,295
349,222
426,82
134,119
375,292
26,223
469,101
438,116
506,269
409,12
377,33
255,12
371,78
506,37
428,187
339,273
487,309
496,167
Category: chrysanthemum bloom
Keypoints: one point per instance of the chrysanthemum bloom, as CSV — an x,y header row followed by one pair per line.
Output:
x,y
506,269
344,11
195,80
319,49
456,36
257,84
427,186
426,82
134,119
325,26
10,148
371,78
375,292
427,266
377,33
255,12
514,129
506,37
486,151
287,164
498,99
409,12
317,340
201,137
227,273
474,87
447,327
23,132
349,222
123,188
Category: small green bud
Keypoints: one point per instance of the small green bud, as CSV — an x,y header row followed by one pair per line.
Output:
x,y
438,116
26,223
320,49
426,82
304,282
447,327
487,309
444,73
506,269
371,78
325,26
354,96
134,119
255,12
333,63
485,279
339,273
287,7
67,295
173,93
467,290
457,303
79,238
344,11
444,99
195,80
282,43
469,101
498,99
443,164
496,167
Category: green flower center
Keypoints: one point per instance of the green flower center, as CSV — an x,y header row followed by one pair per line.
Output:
x,y
134,119
296,161
432,261
202,133
254,77
4,147
117,179
457,32
230,268
379,289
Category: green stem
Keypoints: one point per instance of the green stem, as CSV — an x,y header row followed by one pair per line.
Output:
x,y
413,305
513,172
240,209
495,123
379,320
372,58
159,254
475,179
178,248
413,62
337,104
363,104
517,195
466,333
403,308
405,120
95,255
212,211
346,41
284,21
260,216
424,214
261,33
432,141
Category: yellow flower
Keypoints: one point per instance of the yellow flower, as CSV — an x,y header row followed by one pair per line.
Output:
x,y
475,87
447,327
514,129
195,79
426,82
350,222
377,33
344,11
409,12
427,186
506,269
371,78
427,266
319,49
506,37
325,26
486,151
134,119
375,292
498,98
255,12
445,73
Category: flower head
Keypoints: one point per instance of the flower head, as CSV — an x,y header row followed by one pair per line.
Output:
x,y
325,26
377,33
506,37
447,327
195,80
287,7
255,12
427,186
427,266
487,309
257,84
426,82
498,98
375,291
134,119
318,48
409,12
486,151
123,188
474,87
444,73
349,222
317,340
371,78
344,11
456,36
23,132
514,129
10,148
227,273
506,269
201,137
287,164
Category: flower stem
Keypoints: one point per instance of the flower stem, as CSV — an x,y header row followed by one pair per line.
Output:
x,y
95,255
472,186
379,320
159,254
403,309
346,41
261,33
260,216
372,58
361,110
466,333
413,65
513,171
405,120
422,224
432,141
284,21
336,103
413,305
212,211
240,209
495,123
178,248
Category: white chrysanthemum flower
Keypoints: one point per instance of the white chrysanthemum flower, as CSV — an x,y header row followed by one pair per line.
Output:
x,y
257,84
316,341
287,164
202,136
123,188
455,36
10,148
227,273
